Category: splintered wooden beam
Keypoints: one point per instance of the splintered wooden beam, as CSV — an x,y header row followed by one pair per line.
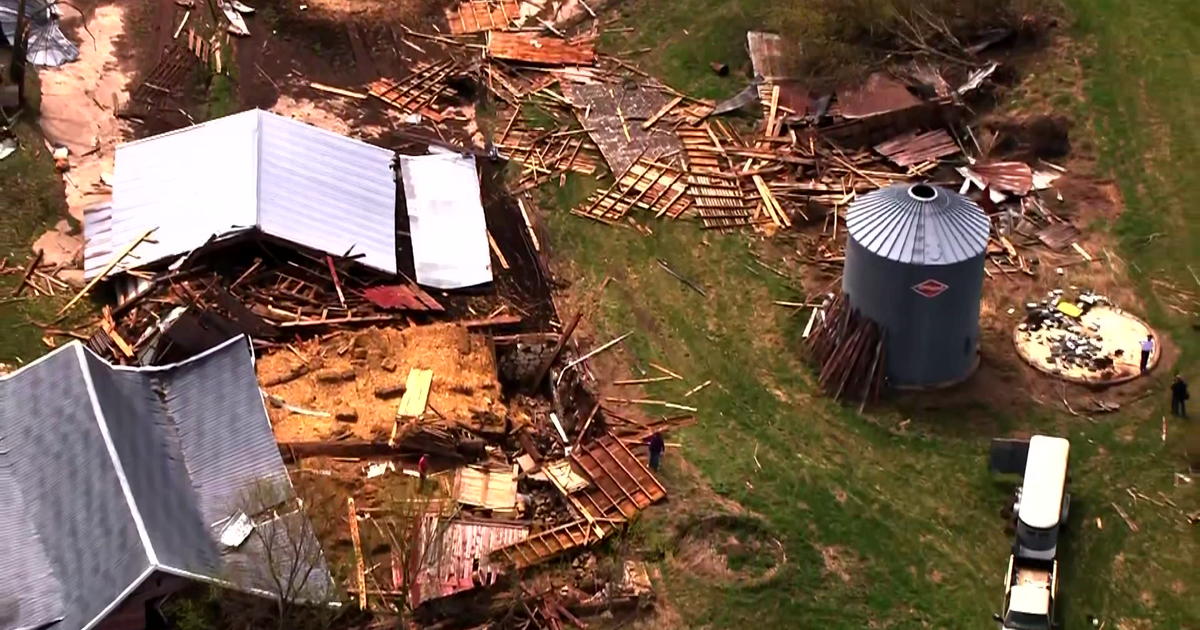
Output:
x,y
662,112
107,268
360,568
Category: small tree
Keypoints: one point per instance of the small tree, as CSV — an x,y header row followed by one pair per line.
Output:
x,y
291,562
417,516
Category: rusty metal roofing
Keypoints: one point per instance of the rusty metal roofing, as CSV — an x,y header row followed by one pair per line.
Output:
x,y
456,555
913,147
533,47
919,224
880,94
1012,177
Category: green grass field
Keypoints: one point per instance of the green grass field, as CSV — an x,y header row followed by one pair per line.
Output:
x,y
883,528
31,201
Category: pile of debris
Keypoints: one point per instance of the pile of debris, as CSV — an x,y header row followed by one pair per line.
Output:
x,y
1075,346
1085,339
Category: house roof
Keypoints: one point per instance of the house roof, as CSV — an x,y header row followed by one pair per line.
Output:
x,y
245,171
126,471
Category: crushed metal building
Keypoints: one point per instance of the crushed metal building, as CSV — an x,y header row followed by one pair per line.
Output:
x,y
249,171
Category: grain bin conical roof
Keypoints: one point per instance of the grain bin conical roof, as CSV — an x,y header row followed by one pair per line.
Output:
x,y
919,224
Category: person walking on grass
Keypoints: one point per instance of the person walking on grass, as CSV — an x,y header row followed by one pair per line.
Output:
x,y
1147,350
1179,396
657,446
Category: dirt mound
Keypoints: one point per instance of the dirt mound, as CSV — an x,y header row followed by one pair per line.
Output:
x,y
364,373
730,548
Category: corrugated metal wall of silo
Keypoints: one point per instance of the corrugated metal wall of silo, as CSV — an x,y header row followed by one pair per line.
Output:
x,y
915,265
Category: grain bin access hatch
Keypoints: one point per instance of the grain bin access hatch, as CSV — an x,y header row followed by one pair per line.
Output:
x,y
914,265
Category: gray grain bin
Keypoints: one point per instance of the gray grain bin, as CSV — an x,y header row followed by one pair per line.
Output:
x,y
914,264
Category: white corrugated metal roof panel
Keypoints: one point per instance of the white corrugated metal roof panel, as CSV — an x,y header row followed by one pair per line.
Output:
x,y
255,168
1045,481
327,192
445,217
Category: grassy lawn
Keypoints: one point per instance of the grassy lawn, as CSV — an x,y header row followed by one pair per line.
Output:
x,y
31,202
885,528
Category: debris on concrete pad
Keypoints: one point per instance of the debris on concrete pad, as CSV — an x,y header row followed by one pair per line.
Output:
x,y
1084,339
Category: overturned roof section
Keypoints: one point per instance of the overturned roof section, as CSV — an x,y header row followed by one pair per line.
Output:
x,y
919,224
47,45
123,472
249,170
445,217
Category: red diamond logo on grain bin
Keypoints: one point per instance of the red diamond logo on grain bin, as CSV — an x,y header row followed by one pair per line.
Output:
x,y
931,288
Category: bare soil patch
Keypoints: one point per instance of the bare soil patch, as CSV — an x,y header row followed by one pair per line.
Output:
x,y
730,548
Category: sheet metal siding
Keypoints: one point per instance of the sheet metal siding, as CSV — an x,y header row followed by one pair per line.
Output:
x,y
69,482
255,168
143,434
930,341
446,220
944,231
223,430
327,191
97,238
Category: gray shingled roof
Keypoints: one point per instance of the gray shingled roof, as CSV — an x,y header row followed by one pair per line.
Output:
x,y
124,471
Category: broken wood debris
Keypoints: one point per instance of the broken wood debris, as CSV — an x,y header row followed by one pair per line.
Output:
x,y
535,48
476,16
848,350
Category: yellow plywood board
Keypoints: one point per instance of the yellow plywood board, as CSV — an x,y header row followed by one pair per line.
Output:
x,y
416,393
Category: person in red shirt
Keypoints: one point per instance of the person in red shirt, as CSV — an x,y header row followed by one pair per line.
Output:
x,y
423,469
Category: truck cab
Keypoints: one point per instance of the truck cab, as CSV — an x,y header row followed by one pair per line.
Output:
x,y
1030,591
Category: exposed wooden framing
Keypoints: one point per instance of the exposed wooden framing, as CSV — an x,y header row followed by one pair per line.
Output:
x,y
418,91
113,262
477,16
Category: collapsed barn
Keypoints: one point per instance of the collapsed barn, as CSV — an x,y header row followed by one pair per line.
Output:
x,y
438,422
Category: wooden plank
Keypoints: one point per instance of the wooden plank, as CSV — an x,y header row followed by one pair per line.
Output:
x,y
416,393
532,47
360,568
107,268
662,112
336,90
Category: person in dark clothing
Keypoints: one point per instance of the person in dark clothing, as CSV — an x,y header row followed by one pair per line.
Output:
x,y
1179,396
657,446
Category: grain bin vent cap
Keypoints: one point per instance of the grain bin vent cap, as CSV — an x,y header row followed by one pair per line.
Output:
x,y
919,224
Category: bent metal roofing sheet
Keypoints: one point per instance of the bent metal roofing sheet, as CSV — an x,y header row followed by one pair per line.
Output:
x,y
249,170
124,471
